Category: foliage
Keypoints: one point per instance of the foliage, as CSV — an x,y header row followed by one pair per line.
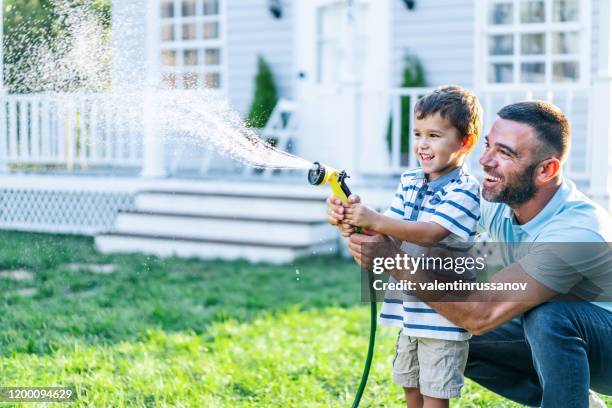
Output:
x,y
413,76
182,332
265,97
35,21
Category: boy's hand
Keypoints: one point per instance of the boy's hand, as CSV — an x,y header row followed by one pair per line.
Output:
x,y
359,214
336,214
335,210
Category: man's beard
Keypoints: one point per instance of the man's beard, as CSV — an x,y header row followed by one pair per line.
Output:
x,y
518,190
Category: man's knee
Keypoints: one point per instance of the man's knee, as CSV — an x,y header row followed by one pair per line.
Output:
x,y
547,321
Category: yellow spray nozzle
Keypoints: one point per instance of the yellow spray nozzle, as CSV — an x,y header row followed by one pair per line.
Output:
x,y
320,174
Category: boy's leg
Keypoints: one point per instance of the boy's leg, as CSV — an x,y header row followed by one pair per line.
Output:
x,y
406,370
431,402
441,367
501,361
414,399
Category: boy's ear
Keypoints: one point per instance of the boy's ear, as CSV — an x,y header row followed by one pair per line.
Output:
x,y
468,143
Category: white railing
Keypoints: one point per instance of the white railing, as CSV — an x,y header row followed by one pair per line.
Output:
x,y
574,102
70,130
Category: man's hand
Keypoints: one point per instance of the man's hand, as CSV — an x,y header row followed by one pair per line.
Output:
x,y
359,214
362,254
336,213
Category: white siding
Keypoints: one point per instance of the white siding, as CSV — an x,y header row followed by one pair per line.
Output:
x,y
251,30
441,34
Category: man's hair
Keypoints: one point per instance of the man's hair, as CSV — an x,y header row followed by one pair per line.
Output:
x,y
550,124
458,105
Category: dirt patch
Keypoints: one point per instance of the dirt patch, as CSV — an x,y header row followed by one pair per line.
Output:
x,y
17,275
104,269
26,292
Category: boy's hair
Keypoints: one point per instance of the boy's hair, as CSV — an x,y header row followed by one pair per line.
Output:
x,y
550,125
458,105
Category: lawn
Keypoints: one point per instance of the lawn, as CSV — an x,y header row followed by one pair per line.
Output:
x,y
144,331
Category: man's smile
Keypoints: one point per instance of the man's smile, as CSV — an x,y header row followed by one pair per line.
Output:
x,y
490,179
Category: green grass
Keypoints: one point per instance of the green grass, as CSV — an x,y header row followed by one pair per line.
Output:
x,y
190,333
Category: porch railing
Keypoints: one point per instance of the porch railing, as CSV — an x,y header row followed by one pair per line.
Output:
x,y
69,130
92,130
574,102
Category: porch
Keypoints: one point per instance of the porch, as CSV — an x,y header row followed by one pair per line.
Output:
x,y
78,134
74,164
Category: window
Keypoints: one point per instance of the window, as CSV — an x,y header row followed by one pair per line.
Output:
x,y
534,41
191,44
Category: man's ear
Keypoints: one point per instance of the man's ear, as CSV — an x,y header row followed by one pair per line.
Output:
x,y
549,169
468,143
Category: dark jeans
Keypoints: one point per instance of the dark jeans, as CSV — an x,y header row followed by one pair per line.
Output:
x,y
549,357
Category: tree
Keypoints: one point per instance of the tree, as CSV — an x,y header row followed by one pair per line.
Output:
x,y
35,21
265,97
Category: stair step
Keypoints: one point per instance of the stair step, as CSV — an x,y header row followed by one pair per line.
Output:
x,y
268,206
166,245
243,229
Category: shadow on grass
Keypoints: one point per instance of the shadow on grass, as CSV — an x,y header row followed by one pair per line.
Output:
x,y
72,304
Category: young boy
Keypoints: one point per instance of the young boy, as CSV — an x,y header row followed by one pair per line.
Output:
x,y
436,203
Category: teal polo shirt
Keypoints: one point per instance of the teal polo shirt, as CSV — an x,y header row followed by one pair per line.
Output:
x,y
548,255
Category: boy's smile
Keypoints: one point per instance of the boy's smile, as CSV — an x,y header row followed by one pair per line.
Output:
x,y
437,145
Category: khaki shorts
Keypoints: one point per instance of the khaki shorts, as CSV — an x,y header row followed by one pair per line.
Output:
x,y
433,366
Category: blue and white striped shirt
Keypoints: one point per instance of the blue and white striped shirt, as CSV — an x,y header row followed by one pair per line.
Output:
x,y
453,202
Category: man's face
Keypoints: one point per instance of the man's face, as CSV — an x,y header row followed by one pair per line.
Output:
x,y
509,162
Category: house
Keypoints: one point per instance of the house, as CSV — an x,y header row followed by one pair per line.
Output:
x,y
341,62
344,59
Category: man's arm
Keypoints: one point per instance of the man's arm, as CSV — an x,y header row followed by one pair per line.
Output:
x,y
487,310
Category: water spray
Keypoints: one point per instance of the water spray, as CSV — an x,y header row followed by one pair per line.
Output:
x,y
319,175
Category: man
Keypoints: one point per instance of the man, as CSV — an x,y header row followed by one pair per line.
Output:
x,y
532,351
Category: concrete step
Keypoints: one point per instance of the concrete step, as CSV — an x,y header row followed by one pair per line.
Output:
x,y
267,206
272,231
167,245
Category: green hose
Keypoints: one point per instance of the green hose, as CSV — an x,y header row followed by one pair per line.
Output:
x,y
368,361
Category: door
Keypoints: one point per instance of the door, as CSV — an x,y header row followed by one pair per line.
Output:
x,y
342,62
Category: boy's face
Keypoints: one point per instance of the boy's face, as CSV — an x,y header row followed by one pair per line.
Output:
x,y
437,145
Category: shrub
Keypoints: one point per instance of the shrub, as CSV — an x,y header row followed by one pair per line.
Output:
x,y
265,96
413,76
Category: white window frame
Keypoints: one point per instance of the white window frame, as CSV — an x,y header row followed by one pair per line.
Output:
x,y
482,29
178,44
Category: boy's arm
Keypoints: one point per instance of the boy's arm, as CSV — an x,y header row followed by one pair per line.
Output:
x,y
416,232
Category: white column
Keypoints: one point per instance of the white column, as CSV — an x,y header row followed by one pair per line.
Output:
x,y
350,82
601,114
153,146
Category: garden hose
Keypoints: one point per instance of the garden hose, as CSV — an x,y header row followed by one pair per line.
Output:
x,y
319,175
368,361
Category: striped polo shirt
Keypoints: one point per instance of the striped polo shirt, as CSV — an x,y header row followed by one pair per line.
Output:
x,y
453,202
